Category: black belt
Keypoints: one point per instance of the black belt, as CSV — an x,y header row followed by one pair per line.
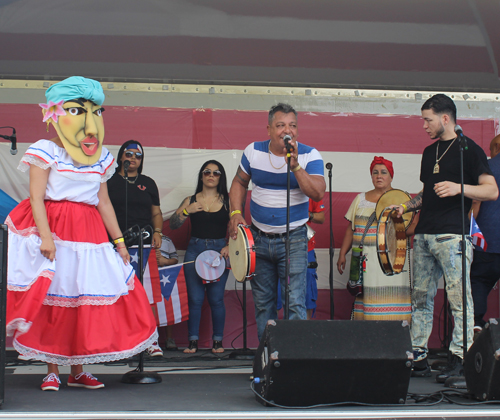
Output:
x,y
272,235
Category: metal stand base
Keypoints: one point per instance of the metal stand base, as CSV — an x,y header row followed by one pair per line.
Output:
x,y
242,354
137,377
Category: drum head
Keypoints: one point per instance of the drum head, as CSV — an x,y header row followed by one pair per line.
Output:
x,y
239,255
394,197
210,265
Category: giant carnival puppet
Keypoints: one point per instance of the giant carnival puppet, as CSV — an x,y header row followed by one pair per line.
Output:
x,y
72,298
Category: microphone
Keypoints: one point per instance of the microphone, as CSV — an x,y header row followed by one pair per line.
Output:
x,y
460,135
289,147
13,139
329,166
126,164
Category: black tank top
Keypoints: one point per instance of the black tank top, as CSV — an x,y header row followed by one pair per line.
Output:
x,y
205,225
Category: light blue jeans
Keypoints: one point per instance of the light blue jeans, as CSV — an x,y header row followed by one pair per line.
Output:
x,y
196,290
270,267
436,256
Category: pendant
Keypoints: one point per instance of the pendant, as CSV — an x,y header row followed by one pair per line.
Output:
x,y
436,168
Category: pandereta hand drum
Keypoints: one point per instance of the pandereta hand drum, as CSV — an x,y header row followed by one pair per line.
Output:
x,y
391,242
242,254
210,265
394,197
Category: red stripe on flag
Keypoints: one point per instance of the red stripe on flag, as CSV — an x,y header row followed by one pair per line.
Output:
x,y
155,277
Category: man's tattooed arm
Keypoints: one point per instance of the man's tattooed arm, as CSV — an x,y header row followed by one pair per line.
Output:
x,y
415,203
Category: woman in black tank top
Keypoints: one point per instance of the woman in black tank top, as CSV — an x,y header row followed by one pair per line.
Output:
x,y
208,210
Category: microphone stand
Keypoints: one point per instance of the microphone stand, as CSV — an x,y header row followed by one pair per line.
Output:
x,y
138,375
125,170
329,166
286,314
459,381
245,353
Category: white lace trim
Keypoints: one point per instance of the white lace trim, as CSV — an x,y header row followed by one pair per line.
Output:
x,y
109,173
75,302
45,273
364,203
28,160
83,360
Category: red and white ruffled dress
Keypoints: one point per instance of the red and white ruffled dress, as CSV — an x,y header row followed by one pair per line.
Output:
x,y
86,306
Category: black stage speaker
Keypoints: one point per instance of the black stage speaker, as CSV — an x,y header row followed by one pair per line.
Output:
x,y
303,363
3,300
482,366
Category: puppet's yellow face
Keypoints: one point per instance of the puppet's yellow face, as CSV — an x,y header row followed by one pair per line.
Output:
x,y
81,130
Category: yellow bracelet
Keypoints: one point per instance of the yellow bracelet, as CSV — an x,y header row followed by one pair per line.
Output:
x,y
404,207
235,212
118,240
185,212
296,168
158,230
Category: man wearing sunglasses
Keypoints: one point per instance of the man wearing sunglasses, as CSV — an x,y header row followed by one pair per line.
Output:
x,y
265,163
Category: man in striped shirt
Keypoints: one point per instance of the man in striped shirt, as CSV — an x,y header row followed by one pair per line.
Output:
x,y
265,164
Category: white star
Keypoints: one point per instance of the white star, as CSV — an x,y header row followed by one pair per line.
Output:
x,y
134,258
164,280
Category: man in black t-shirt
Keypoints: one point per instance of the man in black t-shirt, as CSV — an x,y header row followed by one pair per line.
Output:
x,y
438,235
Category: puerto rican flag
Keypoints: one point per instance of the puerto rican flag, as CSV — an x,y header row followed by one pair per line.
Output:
x,y
477,236
174,305
165,288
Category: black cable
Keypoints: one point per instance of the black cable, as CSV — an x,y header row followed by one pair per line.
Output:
x,y
434,398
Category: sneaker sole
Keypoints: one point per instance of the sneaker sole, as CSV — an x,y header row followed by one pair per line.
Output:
x,y
157,354
85,386
50,388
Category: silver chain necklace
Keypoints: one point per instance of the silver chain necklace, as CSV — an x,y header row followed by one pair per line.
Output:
x,y
130,181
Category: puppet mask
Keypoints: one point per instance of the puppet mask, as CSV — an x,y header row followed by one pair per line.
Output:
x,y
74,109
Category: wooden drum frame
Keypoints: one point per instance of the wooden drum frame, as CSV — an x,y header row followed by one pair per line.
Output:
x,y
242,254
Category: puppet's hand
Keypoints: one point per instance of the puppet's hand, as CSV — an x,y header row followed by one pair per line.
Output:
x,y
122,250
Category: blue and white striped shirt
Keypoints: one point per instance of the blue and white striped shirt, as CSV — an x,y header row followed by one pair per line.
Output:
x,y
268,204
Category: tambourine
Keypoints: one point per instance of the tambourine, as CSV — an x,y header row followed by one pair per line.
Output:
x,y
394,197
391,242
242,254
210,265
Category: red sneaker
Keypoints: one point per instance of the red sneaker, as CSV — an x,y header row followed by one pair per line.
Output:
x,y
155,350
84,380
51,382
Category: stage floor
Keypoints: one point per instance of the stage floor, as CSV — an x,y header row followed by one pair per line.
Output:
x,y
200,386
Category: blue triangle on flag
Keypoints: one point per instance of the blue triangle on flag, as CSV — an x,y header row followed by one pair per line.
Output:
x,y
168,278
134,258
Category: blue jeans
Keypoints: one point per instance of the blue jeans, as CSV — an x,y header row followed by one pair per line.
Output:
x,y
196,290
311,286
270,267
484,273
436,256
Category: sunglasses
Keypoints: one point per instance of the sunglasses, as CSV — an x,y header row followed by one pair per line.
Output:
x,y
138,155
208,172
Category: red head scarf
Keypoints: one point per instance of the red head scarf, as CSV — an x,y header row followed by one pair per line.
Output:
x,y
379,160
